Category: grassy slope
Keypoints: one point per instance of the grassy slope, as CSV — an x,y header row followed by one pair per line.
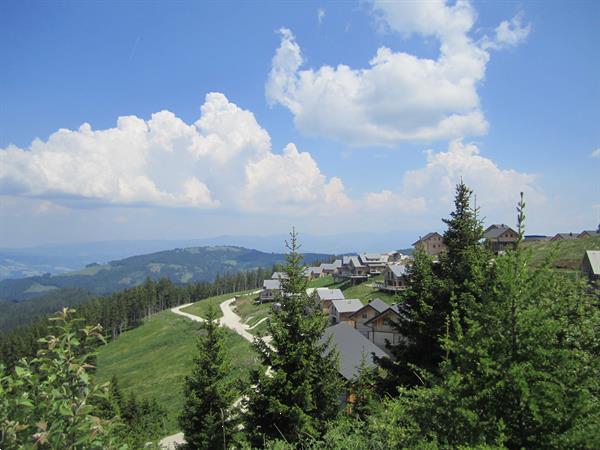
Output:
x,y
153,360
564,254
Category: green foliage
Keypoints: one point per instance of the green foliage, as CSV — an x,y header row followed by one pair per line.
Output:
x,y
300,391
519,362
434,292
362,389
48,402
153,360
208,419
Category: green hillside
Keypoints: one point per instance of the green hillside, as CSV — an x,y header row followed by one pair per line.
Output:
x,y
565,255
192,264
153,360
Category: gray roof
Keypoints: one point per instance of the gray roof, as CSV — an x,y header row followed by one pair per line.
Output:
x,y
347,305
427,236
330,294
377,304
594,258
398,270
565,235
590,232
355,260
329,266
373,257
351,345
496,230
278,275
272,284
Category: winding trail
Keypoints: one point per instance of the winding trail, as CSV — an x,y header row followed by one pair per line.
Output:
x,y
230,320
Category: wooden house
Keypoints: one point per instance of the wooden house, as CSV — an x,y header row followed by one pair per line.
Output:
x,y
590,265
366,313
383,328
432,243
270,290
500,237
341,310
394,278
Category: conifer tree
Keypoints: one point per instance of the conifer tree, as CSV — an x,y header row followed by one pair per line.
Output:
x,y
521,369
300,391
208,420
434,291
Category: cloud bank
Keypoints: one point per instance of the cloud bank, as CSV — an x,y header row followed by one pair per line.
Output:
x,y
223,160
399,97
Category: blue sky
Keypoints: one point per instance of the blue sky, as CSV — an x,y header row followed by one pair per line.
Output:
x,y
387,105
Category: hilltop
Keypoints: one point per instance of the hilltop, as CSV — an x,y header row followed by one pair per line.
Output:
x,y
565,255
181,265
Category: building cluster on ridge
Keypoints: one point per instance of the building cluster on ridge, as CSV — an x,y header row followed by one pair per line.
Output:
x,y
369,328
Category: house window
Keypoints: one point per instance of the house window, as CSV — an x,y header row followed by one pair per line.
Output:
x,y
364,315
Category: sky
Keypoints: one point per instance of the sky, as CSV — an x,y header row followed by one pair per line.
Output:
x,y
185,120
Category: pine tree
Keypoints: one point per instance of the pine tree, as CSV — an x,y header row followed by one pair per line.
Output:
x,y
434,291
300,392
208,419
521,369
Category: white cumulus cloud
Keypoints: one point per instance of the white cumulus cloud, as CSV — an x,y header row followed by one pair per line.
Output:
x,y
222,160
399,96
495,187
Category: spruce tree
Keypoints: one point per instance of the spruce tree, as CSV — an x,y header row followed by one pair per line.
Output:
x,y
434,291
300,391
208,420
521,369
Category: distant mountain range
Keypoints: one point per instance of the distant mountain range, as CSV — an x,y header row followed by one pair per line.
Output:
x,y
180,265
63,258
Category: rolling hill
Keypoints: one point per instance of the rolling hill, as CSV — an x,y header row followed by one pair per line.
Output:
x,y
180,265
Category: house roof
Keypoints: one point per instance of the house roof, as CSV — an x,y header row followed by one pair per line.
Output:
x,y
427,236
330,294
272,284
355,261
278,275
564,236
373,257
314,270
398,269
377,304
590,232
496,230
347,305
391,309
352,347
594,257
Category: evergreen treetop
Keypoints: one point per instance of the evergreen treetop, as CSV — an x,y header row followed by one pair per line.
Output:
x,y
299,392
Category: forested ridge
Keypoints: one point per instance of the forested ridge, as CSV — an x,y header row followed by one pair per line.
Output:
x,y
181,266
